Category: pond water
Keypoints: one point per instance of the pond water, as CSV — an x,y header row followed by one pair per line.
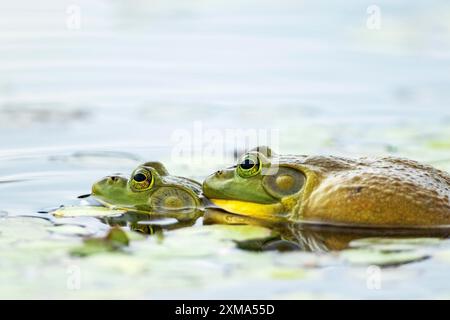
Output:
x,y
90,89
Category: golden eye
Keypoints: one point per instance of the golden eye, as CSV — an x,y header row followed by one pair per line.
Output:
x,y
142,180
249,166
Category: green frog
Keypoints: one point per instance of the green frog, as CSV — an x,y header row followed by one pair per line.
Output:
x,y
150,189
368,192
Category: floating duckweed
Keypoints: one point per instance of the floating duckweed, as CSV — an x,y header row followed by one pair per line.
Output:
x,y
388,251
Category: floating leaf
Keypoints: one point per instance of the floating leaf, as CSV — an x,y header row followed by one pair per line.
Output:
x,y
394,244
115,240
122,264
159,222
20,228
380,258
86,211
117,237
69,230
135,236
439,144
288,273
444,255
229,232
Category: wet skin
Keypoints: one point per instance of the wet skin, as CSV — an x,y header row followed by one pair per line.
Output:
x,y
151,190
381,192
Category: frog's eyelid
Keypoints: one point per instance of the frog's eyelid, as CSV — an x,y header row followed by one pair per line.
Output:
x,y
143,171
251,157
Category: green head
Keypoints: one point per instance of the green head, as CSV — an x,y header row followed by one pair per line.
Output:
x,y
149,189
260,185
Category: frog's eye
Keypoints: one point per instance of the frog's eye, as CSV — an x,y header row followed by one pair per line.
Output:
x,y
249,166
140,177
142,180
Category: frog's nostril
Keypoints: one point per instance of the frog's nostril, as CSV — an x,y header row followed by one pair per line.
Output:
x,y
218,173
113,178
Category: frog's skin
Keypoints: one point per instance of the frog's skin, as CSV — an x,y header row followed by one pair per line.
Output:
x,y
150,189
380,192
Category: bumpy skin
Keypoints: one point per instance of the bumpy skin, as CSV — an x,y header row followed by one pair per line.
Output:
x,y
382,192
150,189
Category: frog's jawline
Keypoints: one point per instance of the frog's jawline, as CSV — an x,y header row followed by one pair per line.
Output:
x,y
130,210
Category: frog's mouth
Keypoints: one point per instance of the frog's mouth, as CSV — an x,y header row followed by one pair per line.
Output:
x,y
251,209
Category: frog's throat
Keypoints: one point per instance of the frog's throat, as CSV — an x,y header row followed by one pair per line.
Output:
x,y
256,210
117,207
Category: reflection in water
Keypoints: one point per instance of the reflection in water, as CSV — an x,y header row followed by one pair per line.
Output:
x,y
313,238
286,236
90,212
151,223
387,247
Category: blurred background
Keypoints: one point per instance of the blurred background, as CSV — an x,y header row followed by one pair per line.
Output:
x,y
346,77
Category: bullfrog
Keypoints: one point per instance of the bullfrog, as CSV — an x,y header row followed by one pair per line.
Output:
x,y
150,190
367,192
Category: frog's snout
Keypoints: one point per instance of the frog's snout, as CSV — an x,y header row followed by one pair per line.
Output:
x,y
223,174
112,179
107,181
219,173
213,185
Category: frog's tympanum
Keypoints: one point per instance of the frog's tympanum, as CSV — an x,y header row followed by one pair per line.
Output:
x,y
380,192
150,189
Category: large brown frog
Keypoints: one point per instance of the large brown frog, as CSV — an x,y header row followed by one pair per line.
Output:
x,y
379,192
